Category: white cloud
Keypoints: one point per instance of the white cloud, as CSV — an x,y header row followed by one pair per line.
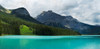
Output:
x,y
87,11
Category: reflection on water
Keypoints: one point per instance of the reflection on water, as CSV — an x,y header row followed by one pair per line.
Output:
x,y
50,42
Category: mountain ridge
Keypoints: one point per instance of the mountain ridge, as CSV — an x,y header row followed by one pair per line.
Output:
x,y
68,22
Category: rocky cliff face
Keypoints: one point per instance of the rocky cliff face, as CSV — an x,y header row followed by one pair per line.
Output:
x,y
52,19
23,14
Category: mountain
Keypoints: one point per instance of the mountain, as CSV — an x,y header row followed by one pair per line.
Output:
x,y
16,23
23,14
81,27
4,10
67,22
50,18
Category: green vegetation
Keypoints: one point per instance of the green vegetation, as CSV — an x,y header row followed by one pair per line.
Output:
x,y
25,30
11,25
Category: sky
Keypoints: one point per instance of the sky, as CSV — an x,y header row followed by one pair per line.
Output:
x,y
86,11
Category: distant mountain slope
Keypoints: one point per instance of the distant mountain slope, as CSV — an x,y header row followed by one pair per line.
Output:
x,y
54,24
24,14
67,22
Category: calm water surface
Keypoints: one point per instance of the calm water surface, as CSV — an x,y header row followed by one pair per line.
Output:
x,y
50,42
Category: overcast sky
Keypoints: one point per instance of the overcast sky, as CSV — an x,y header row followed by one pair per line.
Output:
x,y
87,11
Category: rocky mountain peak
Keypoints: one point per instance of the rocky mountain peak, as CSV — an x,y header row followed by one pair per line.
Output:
x,y
50,16
49,13
20,11
69,17
23,14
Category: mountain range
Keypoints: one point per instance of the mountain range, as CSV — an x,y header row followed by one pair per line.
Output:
x,y
51,18
19,22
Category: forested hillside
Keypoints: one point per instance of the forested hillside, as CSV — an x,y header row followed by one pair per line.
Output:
x,y
12,25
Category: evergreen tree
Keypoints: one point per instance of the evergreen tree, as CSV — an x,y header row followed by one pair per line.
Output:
x,y
16,27
44,31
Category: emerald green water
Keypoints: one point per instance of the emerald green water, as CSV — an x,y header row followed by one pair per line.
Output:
x,y
50,42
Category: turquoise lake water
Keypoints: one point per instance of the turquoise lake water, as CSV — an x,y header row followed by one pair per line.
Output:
x,y
50,42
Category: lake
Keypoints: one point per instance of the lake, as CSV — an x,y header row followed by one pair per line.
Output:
x,y
50,42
